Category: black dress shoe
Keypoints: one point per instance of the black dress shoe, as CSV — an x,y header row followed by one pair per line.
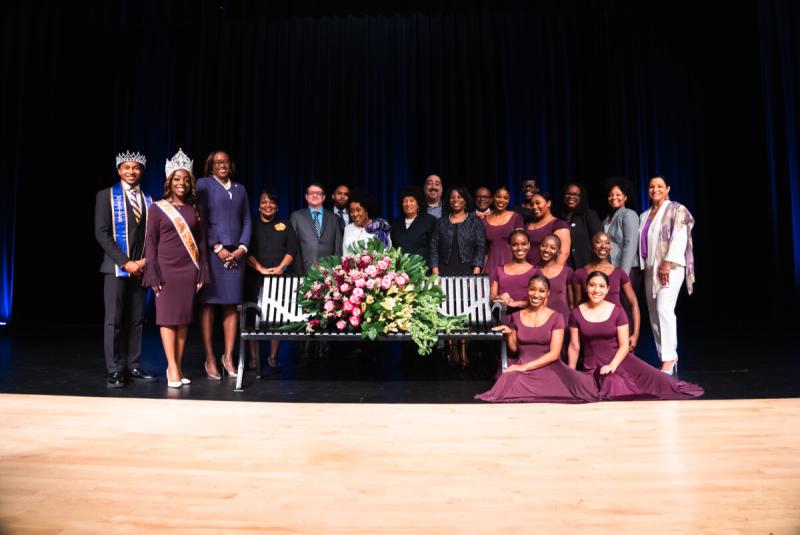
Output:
x,y
138,374
116,380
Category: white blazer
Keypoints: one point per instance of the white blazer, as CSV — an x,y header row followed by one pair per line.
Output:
x,y
677,248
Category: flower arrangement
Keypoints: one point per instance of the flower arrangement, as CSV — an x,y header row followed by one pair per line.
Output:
x,y
375,291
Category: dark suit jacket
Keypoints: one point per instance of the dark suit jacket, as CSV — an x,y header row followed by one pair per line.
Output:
x,y
415,239
582,228
104,232
310,247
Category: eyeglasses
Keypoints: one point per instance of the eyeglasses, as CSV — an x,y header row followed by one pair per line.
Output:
x,y
315,193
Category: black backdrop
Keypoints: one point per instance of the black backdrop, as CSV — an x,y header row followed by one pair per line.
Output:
x,y
377,98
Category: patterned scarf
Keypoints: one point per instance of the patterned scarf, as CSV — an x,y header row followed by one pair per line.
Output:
x,y
675,218
381,229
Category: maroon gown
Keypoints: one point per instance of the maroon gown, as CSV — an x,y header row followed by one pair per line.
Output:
x,y
558,291
498,250
515,285
169,264
554,383
538,235
634,378
616,281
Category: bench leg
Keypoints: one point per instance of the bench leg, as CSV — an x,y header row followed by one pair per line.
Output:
x,y
242,357
503,354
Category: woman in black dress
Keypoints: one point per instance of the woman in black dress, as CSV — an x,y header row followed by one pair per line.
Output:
x,y
458,247
583,224
414,230
273,247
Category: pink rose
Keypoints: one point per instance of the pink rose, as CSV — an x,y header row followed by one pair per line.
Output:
x,y
341,324
366,259
371,271
329,306
386,283
387,259
356,311
355,300
355,321
348,306
358,292
344,287
313,324
371,283
360,283
383,265
400,280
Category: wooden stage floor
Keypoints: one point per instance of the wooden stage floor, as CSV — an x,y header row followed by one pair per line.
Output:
x,y
92,465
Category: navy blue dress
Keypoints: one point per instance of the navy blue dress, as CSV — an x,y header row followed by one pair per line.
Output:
x,y
228,222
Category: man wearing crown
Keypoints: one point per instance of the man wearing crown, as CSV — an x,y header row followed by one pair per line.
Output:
x,y
119,226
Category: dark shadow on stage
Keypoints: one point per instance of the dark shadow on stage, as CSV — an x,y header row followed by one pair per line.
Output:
x,y
68,360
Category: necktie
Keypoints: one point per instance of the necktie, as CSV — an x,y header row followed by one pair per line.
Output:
x,y
137,211
317,224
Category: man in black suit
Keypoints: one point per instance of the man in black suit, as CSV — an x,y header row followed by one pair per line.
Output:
x,y
319,232
341,202
120,214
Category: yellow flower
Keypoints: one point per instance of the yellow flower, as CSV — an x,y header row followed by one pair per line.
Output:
x,y
388,303
280,227
363,307
370,299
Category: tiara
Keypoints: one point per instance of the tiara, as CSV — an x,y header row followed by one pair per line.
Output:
x,y
131,157
179,161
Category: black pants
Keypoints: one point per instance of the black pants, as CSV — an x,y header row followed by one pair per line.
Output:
x,y
122,329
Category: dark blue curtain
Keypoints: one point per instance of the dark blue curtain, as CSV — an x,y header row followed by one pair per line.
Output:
x,y
376,99
780,76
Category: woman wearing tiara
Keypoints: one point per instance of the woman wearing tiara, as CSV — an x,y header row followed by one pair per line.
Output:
x,y
176,265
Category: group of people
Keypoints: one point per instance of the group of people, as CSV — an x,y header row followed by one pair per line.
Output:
x,y
199,245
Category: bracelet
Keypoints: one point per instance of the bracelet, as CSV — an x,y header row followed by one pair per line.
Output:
x,y
218,248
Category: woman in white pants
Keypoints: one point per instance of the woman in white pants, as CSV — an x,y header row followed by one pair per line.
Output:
x,y
666,258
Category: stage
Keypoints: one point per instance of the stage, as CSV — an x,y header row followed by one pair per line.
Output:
x,y
80,465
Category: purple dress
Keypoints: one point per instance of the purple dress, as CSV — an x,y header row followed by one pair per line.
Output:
x,y
616,281
634,378
515,285
558,291
538,235
169,265
554,383
499,252
228,222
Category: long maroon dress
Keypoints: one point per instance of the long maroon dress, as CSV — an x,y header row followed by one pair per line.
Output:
x,y
515,285
616,281
634,378
169,264
558,291
554,383
498,250
538,235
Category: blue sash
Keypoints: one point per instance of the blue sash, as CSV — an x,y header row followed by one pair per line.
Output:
x,y
119,212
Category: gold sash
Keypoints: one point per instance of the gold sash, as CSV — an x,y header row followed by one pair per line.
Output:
x,y
184,232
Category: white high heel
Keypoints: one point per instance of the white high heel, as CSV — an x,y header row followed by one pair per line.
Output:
x,y
173,384
185,381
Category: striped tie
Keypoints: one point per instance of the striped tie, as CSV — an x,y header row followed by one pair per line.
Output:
x,y
317,224
137,211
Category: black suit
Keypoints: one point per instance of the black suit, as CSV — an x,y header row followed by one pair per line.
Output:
x,y
310,246
124,297
416,239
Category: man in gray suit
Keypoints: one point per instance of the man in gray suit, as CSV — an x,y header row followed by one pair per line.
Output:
x,y
319,232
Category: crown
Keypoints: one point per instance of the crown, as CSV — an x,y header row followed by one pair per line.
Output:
x,y
131,157
179,161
